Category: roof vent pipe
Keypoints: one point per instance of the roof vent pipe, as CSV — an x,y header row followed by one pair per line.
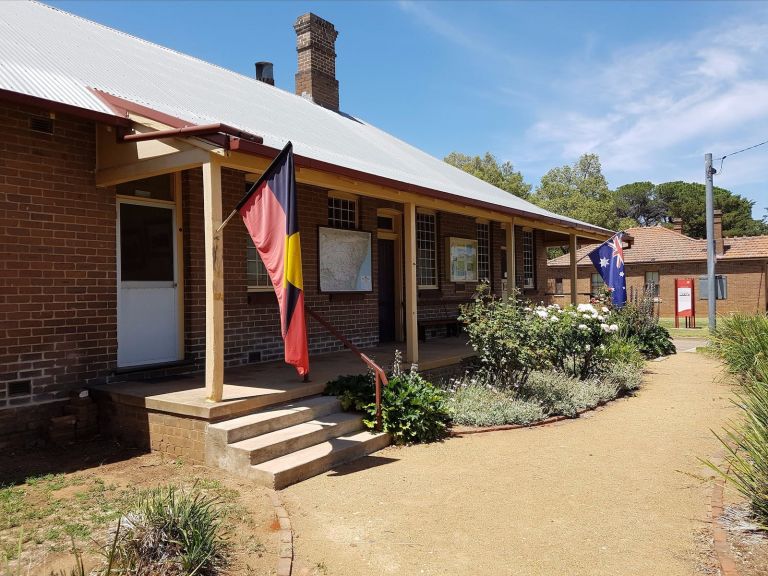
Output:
x,y
264,73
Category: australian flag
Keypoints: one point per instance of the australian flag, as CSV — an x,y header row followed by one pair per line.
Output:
x,y
608,258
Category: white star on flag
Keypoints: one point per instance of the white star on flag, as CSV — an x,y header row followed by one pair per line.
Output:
x,y
603,262
621,274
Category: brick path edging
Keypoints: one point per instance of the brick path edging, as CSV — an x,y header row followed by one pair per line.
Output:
x,y
285,536
719,537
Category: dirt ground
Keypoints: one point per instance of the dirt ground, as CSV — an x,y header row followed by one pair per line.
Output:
x,y
49,496
619,491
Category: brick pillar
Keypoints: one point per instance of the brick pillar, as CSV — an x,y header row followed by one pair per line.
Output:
x,y
316,45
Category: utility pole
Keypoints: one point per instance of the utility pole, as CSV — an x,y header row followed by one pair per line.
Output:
x,y
711,294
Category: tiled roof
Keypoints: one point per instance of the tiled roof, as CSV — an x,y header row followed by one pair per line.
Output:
x,y
50,54
659,244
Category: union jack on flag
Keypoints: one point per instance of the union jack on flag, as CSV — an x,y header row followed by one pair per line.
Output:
x,y
603,258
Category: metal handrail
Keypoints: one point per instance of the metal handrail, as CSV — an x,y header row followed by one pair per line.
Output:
x,y
380,377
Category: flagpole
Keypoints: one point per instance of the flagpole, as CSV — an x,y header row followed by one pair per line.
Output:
x,y
256,184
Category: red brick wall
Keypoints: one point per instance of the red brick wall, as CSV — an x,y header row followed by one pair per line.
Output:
x,y
746,284
57,263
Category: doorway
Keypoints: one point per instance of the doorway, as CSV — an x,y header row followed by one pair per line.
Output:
x,y
387,324
147,279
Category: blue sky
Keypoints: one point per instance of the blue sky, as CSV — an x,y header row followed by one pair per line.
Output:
x,y
649,86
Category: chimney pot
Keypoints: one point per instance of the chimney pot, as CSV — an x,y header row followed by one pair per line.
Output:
x,y
316,47
264,73
677,225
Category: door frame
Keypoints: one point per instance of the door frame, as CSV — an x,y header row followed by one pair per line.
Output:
x,y
178,253
396,235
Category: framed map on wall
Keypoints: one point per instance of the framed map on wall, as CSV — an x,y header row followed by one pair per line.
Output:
x,y
462,259
344,260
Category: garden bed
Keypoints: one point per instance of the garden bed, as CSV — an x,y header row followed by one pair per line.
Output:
x,y
54,497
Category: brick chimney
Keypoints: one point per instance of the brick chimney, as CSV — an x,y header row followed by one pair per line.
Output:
x,y
316,45
677,225
718,221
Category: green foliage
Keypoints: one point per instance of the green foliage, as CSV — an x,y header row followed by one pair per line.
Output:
x,y
488,168
355,391
640,202
474,404
560,394
413,410
747,449
172,533
742,341
580,191
685,200
509,340
639,324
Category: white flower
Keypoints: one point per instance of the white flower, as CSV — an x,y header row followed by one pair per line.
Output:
x,y
586,308
587,347
583,327
614,328
554,318
604,309
542,313
605,327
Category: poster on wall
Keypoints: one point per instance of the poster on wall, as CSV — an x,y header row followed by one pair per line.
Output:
x,y
344,260
462,259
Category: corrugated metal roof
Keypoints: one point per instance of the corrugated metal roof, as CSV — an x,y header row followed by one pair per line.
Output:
x,y
52,54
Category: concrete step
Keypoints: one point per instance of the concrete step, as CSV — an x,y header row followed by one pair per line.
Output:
x,y
269,420
281,442
297,466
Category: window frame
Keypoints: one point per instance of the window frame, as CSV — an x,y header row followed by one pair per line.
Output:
x,y
483,235
421,217
529,259
344,201
559,287
595,286
250,250
657,285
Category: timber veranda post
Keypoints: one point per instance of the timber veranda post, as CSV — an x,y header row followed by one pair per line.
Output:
x,y
411,289
214,281
574,270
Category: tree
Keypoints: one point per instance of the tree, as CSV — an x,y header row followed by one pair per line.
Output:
x,y
686,200
488,168
640,202
580,191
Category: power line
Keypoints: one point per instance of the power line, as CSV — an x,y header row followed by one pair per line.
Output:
x,y
738,152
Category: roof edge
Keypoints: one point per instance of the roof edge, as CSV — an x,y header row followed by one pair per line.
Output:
x,y
55,106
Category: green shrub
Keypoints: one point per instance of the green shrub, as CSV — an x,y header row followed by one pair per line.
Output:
x,y
639,323
354,391
747,449
413,410
742,341
510,341
171,533
560,394
475,404
624,377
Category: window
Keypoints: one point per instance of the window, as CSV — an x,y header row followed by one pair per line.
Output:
x,y
483,252
528,259
257,278
342,212
596,285
385,223
652,283
426,250
559,286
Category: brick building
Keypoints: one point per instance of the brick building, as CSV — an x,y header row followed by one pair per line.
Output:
x,y
659,255
118,160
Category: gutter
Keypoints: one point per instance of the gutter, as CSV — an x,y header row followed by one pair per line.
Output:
x,y
53,106
188,131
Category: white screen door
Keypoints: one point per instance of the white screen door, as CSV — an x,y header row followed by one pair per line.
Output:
x,y
147,306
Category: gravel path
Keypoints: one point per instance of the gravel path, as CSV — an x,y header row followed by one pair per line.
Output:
x,y
610,493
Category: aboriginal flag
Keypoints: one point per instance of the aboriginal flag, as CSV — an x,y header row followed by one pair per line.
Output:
x,y
270,214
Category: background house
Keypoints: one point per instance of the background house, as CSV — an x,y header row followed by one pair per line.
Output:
x,y
660,255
